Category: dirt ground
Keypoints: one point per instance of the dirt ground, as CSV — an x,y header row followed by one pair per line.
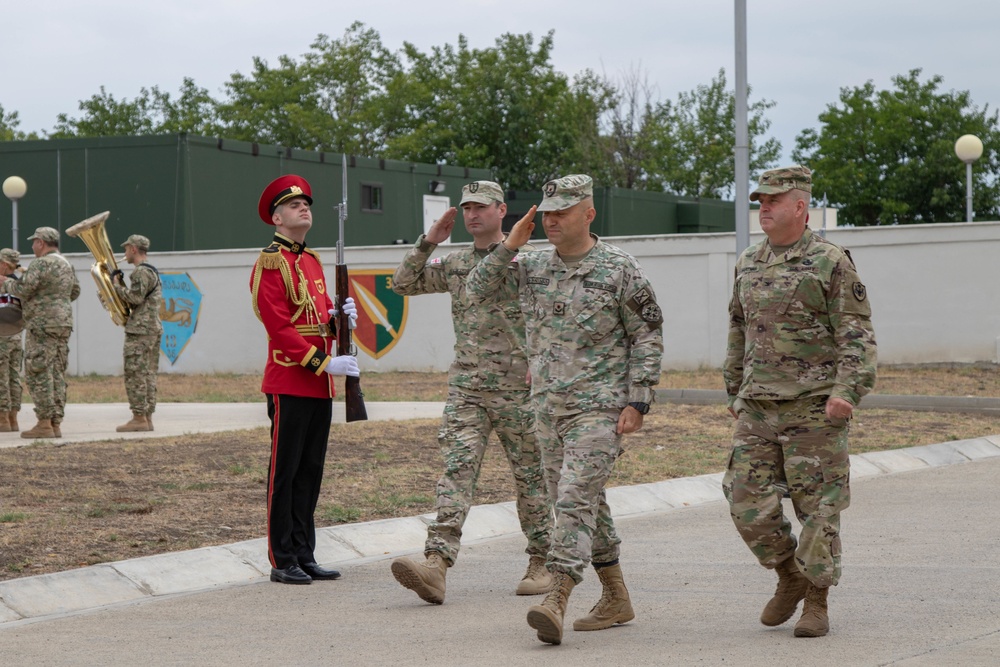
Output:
x,y
66,506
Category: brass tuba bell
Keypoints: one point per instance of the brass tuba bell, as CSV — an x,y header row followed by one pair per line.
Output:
x,y
91,231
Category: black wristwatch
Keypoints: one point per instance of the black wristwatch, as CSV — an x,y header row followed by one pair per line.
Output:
x,y
643,408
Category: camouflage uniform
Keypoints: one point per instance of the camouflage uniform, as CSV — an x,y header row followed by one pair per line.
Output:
x,y
143,332
11,356
594,336
46,290
487,391
800,332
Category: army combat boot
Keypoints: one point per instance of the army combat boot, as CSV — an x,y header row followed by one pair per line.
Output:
x,y
5,422
55,428
149,422
12,419
791,589
137,423
537,579
43,429
425,579
814,622
547,618
614,605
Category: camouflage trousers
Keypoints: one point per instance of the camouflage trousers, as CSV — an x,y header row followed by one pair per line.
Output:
x,y
11,356
46,356
142,361
468,419
790,445
579,453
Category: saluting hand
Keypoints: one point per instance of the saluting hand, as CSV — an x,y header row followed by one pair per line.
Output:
x,y
441,229
520,233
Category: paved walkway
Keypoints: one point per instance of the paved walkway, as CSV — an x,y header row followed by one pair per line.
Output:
x,y
920,586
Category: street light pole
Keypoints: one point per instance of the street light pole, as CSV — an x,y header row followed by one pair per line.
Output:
x,y
14,188
968,148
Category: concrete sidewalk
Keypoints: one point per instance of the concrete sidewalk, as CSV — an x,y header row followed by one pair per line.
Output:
x,y
86,422
920,588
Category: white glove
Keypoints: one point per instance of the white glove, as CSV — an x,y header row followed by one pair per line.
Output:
x,y
350,310
345,364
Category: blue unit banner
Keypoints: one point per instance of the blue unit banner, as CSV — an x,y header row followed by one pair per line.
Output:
x,y
178,313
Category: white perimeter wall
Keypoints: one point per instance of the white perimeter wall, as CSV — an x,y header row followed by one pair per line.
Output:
x,y
934,292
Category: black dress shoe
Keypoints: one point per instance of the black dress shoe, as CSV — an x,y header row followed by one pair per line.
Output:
x,y
292,574
317,572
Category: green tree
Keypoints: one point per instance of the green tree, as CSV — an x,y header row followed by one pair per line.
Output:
x,y
9,122
693,142
504,108
887,156
151,112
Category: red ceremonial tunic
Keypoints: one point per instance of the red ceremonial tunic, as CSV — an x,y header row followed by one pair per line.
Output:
x,y
290,298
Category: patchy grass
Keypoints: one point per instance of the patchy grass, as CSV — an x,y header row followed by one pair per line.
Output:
x,y
67,506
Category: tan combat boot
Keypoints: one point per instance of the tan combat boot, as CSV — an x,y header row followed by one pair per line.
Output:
x,y
814,622
55,428
149,422
425,579
547,618
137,423
791,589
614,605
5,422
12,419
43,429
537,579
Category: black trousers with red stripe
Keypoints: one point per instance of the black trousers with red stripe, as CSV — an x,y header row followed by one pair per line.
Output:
x,y
300,428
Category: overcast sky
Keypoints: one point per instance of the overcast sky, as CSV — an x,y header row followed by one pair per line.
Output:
x,y
55,53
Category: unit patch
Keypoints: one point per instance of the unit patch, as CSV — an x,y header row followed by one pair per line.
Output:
x,y
860,293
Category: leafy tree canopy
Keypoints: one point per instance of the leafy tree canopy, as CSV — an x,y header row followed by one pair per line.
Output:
x,y
888,156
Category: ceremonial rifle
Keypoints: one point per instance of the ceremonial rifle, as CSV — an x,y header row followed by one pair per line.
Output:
x,y
354,400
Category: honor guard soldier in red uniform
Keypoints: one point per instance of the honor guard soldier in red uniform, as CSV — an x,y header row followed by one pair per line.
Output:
x,y
290,298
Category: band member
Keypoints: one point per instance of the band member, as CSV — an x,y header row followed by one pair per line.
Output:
x,y
290,298
11,352
46,290
143,331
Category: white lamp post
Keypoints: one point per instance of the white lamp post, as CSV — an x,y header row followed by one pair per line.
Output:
x,y
14,188
968,148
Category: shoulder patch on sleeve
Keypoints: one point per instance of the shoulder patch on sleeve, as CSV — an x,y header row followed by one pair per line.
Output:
x,y
859,291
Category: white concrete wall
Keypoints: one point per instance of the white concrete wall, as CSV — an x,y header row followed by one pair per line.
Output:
x,y
933,288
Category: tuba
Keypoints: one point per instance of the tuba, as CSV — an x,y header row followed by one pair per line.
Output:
x,y
91,231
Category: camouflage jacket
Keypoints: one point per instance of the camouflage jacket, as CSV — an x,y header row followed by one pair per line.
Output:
x,y
46,289
799,325
489,338
144,298
594,333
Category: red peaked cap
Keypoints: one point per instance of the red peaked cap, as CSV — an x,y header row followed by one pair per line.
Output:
x,y
281,190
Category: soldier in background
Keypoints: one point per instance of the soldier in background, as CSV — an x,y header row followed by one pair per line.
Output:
x,y
11,356
143,332
46,290
801,355
595,341
487,391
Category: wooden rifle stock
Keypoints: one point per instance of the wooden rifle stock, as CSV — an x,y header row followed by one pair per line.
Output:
x,y
354,399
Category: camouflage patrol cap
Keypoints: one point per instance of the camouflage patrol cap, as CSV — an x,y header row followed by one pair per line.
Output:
x,y
138,240
482,192
10,256
783,179
566,192
47,234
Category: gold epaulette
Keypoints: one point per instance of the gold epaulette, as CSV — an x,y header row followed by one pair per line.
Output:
x,y
270,257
